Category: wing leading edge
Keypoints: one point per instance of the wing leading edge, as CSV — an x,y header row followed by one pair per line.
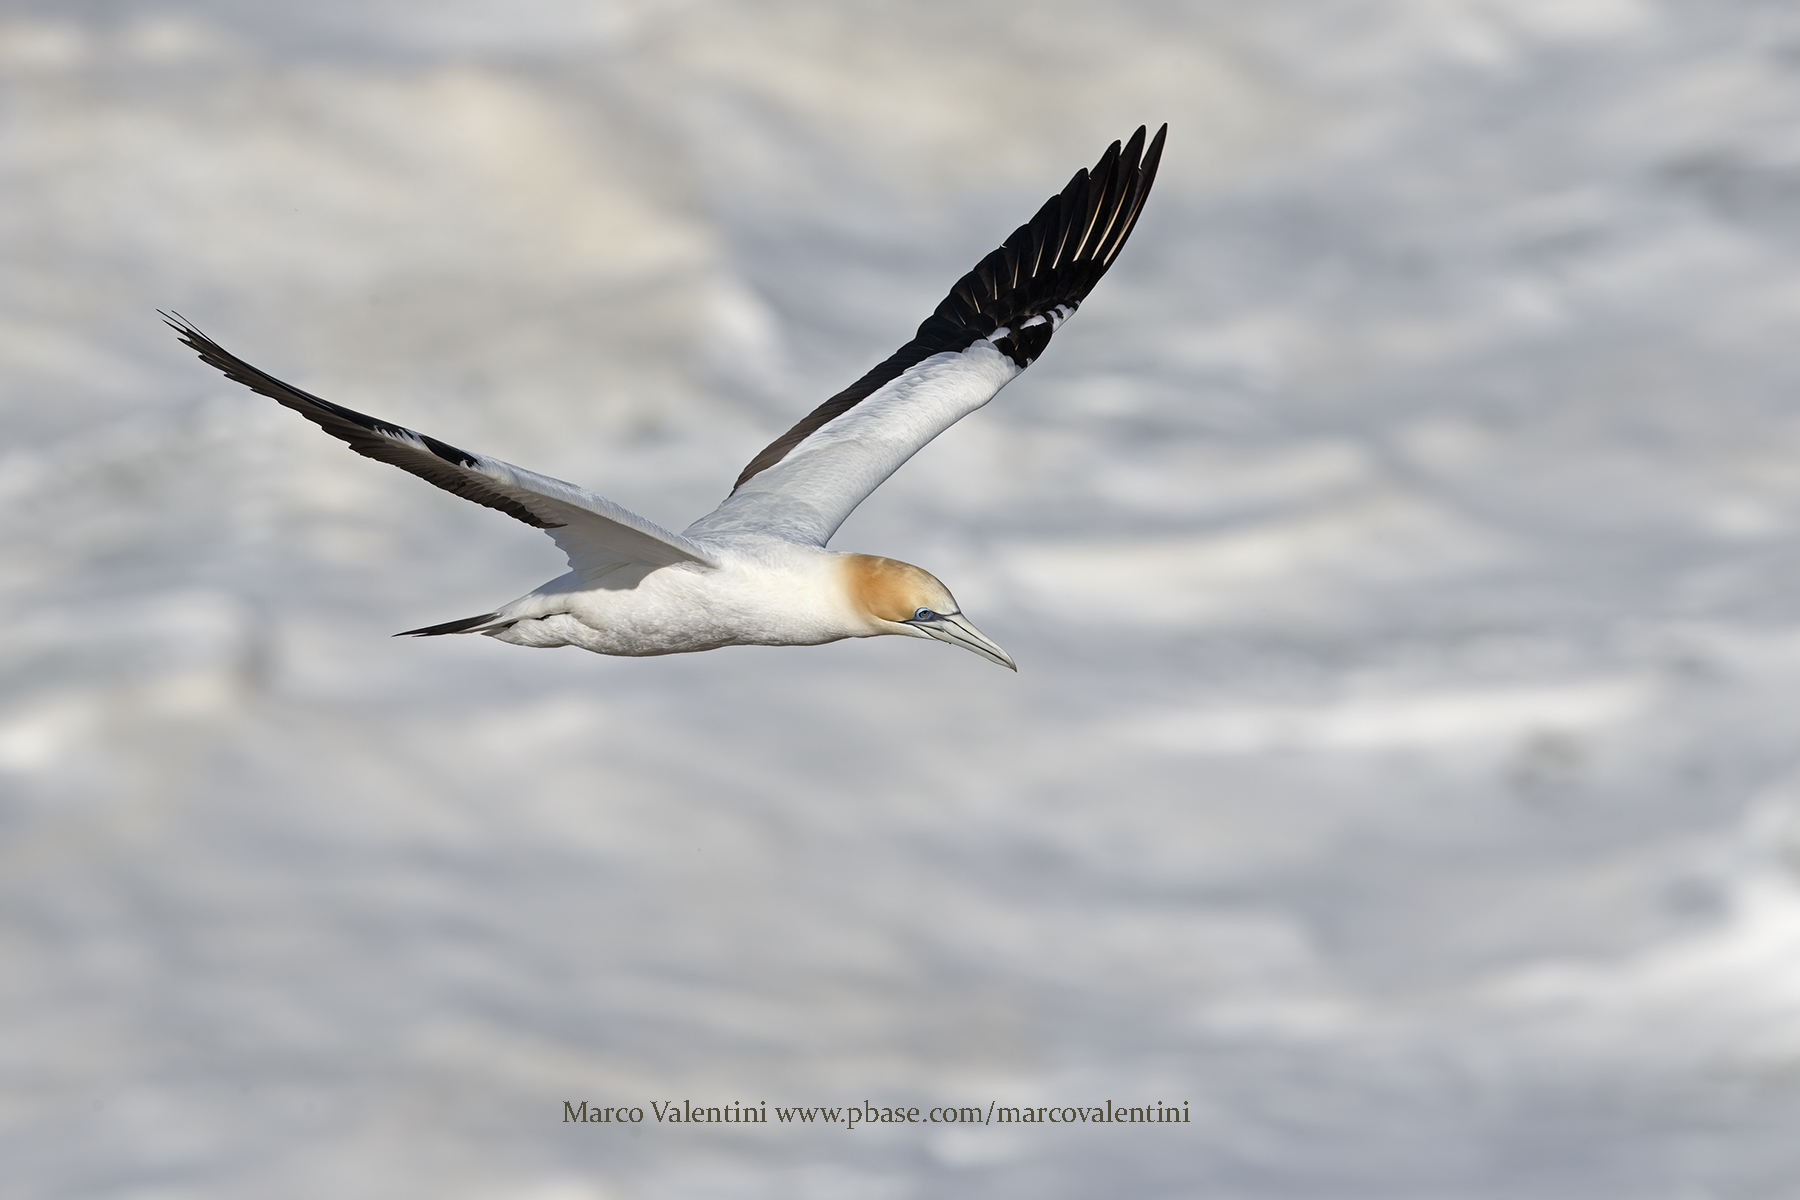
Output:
x,y
994,323
593,531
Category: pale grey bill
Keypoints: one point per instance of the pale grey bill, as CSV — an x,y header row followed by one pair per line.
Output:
x,y
955,629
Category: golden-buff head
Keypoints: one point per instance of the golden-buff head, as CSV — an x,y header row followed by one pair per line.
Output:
x,y
895,597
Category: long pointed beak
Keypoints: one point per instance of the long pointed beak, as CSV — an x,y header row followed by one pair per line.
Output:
x,y
956,629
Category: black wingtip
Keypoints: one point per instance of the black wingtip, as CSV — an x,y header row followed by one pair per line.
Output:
x,y
213,354
184,327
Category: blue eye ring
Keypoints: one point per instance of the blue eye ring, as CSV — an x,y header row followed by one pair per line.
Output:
x,y
924,614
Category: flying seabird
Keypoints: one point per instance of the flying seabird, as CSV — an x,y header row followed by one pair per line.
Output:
x,y
755,571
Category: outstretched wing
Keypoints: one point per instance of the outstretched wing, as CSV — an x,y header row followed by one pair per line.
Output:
x,y
995,322
594,532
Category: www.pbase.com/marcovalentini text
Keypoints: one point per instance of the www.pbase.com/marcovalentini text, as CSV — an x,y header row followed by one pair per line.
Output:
x,y
866,1113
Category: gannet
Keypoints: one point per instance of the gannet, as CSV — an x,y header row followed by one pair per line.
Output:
x,y
755,571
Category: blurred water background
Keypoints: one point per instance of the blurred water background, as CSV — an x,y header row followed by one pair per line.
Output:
x,y
1399,551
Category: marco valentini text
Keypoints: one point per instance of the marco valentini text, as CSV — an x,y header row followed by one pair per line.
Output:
x,y
866,1113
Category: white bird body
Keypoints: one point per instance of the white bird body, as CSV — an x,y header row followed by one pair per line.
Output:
x,y
755,571
764,592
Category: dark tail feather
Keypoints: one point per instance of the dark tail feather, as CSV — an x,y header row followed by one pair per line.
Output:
x,y
466,625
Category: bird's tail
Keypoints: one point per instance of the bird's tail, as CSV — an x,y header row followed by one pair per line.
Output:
x,y
466,625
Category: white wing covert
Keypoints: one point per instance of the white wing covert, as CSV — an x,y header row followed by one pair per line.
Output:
x,y
595,533
995,322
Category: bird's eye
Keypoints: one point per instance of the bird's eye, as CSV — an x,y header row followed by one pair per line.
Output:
x,y
924,614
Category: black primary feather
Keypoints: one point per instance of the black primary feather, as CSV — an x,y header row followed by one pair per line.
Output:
x,y
431,460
